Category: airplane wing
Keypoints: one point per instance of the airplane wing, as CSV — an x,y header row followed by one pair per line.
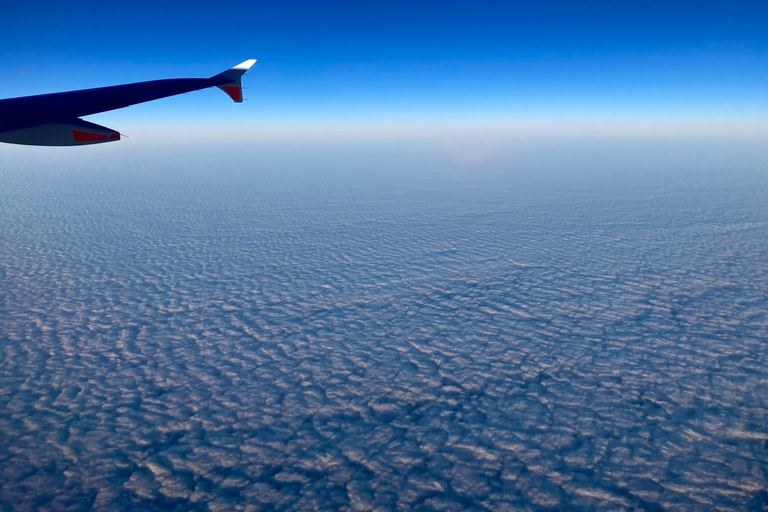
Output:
x,y
54,119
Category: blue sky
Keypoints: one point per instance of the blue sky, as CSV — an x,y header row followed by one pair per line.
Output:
x,y
406,63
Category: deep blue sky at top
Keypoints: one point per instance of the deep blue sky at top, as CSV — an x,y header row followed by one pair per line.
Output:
x,y
406,60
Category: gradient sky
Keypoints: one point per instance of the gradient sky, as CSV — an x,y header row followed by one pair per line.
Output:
x,y
418,64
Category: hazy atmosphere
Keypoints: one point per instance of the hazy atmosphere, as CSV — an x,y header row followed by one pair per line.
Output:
x,y
458,256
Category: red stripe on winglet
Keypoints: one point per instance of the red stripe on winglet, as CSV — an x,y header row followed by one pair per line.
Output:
x,y
81,136
233,91
114,136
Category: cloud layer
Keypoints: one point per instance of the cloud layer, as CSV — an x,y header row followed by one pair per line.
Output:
x,y
221,342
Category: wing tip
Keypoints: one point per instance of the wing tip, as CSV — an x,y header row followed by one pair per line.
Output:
x,y
246,65
231,80
233,74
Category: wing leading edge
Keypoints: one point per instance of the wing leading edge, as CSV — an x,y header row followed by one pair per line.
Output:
x,y
54,119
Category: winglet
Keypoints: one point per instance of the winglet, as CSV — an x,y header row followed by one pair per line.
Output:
x,y
232,85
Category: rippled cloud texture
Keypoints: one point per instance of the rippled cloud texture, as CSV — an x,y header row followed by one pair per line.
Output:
x,y
290,332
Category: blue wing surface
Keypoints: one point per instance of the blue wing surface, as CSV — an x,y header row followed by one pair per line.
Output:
x,y
53,119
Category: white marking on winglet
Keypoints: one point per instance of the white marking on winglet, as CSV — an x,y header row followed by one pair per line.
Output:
x,y
245,65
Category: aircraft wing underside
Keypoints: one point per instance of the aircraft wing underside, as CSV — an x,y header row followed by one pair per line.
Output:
x,y
54,119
